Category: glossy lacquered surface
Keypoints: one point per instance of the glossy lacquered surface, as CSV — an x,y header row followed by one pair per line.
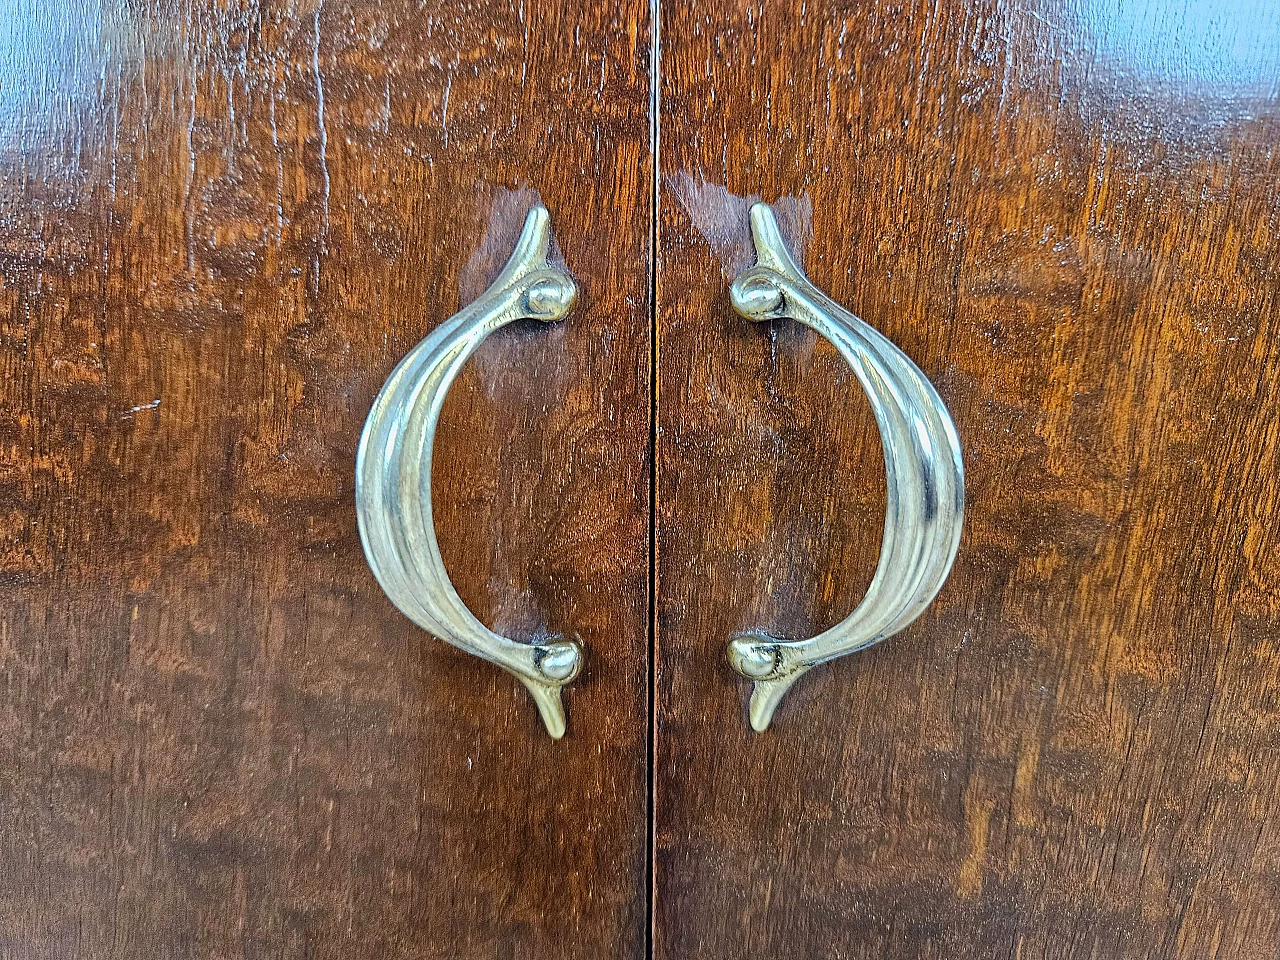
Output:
x,y
1067,215
221,227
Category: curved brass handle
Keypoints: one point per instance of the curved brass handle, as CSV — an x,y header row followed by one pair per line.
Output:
x,y
393,472
925,501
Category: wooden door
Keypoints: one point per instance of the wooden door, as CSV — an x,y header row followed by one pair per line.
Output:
x,y
1068,216
222,224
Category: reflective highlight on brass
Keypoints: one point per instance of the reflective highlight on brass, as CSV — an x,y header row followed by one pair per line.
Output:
x,y
393,472
925,502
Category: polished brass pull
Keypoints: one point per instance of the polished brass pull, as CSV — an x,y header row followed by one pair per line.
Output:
x,y
393,472
925,501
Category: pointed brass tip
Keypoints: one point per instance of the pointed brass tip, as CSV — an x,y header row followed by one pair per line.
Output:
x,y
765,697
531,249
550,707
771,250
764,231
762,218
762,706
537,220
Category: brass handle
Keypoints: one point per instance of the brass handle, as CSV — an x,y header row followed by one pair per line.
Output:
x,y
393,472
923,468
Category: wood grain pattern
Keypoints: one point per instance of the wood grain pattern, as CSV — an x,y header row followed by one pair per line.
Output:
x,y
1071,221
223,223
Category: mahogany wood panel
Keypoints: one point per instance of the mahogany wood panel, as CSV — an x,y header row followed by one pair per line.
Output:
x,y
1069,216
221,224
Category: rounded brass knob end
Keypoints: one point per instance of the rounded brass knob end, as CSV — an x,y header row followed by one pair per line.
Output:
x,y
551,296
756,296
754,658
559,661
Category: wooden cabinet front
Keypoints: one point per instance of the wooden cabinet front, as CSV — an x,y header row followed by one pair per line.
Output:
x,y
1068,218
221,226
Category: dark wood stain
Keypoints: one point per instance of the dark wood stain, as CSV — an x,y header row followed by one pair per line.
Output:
x,y
222,224
1074,753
